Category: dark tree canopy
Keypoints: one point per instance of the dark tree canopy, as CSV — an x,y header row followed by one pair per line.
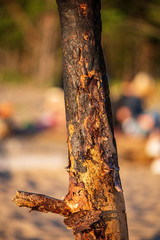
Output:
x,y
131,37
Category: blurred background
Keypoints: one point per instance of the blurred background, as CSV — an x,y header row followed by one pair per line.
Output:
x,y
33,150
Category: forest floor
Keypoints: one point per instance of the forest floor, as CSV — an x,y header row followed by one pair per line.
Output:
x,y
37,164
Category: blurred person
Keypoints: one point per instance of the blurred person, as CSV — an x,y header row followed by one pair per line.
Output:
x,y
52,116
131,117
54,105
6,122
152,150
129,111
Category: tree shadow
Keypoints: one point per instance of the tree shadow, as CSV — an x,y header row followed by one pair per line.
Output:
x,y
156,236
18,236
5,179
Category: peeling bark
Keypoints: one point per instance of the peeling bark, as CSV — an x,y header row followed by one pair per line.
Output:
x,y
94,206
93,165
82,220
41,203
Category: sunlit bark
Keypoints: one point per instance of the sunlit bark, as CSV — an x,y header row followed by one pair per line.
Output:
x,y
95,202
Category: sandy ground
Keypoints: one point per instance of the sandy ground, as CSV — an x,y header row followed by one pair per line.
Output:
x,y
33,166
36,164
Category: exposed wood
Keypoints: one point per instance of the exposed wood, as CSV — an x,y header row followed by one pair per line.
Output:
x,y
93,164
41,203
82,220
94,206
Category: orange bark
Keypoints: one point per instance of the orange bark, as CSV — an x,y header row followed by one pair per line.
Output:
x,y
95,204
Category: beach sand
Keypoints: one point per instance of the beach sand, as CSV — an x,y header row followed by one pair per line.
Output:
x,y
37,164
39,168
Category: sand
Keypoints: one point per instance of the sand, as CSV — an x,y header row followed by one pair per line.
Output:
x,y
36,164
42,171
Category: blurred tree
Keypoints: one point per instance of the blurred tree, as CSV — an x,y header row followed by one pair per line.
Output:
x,y
131,37
30,31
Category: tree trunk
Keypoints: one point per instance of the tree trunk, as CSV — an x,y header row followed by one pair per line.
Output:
x,y
94,206
93,166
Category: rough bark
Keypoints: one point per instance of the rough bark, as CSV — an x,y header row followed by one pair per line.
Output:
x,y
93,165
41,203
95,198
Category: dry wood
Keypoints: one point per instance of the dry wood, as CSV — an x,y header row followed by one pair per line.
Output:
x,y
41,203
94,205
93,163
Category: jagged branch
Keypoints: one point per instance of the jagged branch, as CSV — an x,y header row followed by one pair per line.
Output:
x,y
41,203
78,221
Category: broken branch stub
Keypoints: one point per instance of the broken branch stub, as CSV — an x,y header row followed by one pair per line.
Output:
x,y
41,203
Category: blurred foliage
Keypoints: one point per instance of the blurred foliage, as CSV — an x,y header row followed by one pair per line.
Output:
x,y
112,18
11,35
13,77
131,36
